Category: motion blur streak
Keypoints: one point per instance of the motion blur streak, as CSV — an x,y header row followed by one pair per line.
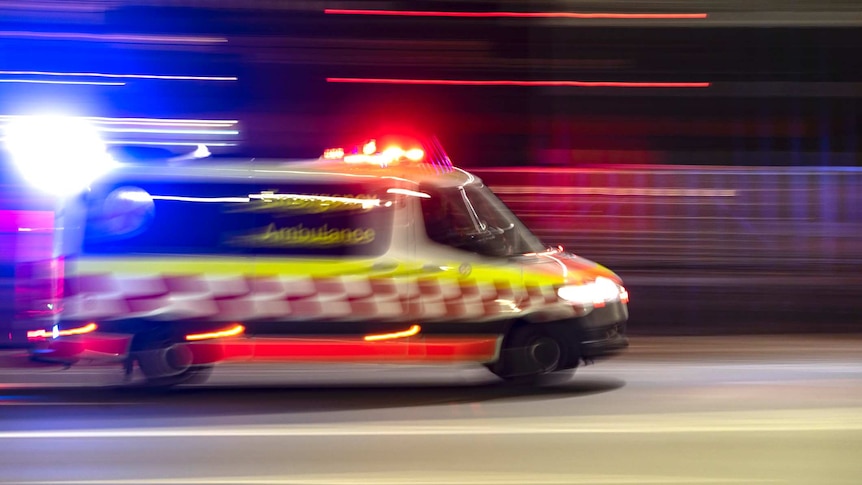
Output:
x,y
571,15
168,143
171,123
466,82
125,76
149,39
91,327
170,132
638,192
41,81
218,200
767,421
537,478
157,121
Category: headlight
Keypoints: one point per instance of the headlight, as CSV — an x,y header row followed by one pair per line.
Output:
x,y
595,294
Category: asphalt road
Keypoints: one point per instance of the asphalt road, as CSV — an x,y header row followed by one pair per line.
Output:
x,y
671,410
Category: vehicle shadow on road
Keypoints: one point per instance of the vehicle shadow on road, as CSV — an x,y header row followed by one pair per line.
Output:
x,y
97,406
347,397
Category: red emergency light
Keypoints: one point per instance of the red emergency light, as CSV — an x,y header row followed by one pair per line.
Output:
x,y
370,154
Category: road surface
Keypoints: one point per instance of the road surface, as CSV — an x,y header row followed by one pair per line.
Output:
x,y
670,411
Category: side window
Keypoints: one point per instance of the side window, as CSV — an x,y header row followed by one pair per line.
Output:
x,y
162,218
316,220
277,219
124,212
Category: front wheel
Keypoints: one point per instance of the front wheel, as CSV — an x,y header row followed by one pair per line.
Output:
x,y
530,352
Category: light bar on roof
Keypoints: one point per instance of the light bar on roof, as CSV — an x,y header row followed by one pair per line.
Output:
x,y
370,154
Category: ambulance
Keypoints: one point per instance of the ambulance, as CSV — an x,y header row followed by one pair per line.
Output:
x,y
381,253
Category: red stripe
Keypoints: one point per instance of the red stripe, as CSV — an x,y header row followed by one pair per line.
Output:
x,y
569,15
434,349
466,82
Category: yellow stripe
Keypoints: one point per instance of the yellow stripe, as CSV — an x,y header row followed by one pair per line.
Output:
x,y
313,267
221,265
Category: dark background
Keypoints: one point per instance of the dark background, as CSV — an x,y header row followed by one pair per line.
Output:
x,y
785,79
778,124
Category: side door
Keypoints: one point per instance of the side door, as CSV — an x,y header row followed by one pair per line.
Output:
x,y
160,250
318,247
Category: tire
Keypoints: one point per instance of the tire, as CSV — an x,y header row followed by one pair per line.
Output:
x,y
165,362
530,352
171,366
193,375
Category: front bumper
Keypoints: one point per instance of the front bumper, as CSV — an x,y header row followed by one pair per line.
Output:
x,y
604,341
602,332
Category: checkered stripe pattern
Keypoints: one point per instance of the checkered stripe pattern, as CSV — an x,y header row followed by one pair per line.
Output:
x,y
342,298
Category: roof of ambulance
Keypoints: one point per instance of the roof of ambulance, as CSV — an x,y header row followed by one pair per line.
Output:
x,y
314,170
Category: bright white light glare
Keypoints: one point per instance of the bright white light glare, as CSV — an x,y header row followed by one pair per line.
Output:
x,y
333,153
414,154
201,152
60,155
369,148
411,193
392,153
606,289
580,294
134,195
594,294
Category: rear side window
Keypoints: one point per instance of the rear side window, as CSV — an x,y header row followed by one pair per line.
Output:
x,y
275,219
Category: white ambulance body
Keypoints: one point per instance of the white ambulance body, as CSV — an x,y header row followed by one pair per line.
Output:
x,y
377,256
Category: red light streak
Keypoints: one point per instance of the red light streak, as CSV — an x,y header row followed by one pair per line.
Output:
x,y
413,330
90,327
569,15
430,349
466,82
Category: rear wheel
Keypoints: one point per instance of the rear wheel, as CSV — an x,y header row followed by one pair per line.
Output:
x,y
171,365
193,375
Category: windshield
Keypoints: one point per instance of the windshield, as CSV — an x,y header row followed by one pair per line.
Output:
x,y
472,218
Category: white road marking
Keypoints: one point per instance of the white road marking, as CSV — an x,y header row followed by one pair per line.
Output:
x,y
840,419
414,478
